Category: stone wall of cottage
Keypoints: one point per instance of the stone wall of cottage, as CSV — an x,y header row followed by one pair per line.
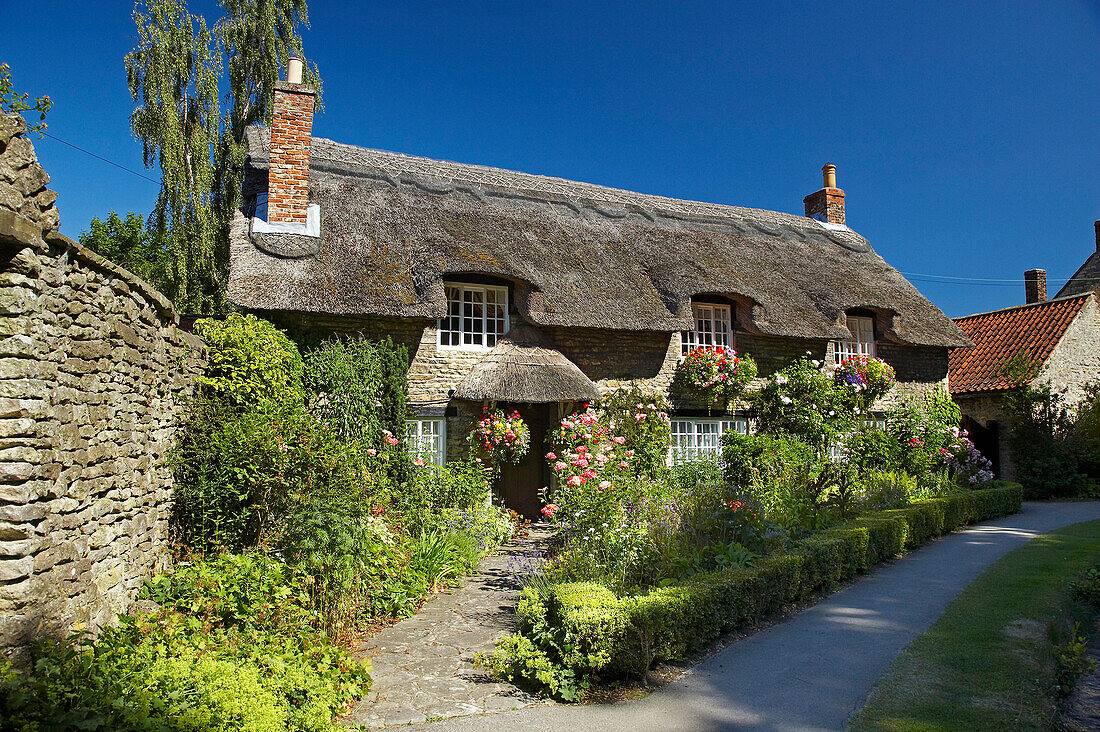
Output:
x,y
611,358
92,373
1075,361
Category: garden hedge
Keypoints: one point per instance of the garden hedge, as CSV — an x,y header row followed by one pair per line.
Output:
x,y
616,635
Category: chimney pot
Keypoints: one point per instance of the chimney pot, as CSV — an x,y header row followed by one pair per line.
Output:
x,y
1035,285
826,204
294,70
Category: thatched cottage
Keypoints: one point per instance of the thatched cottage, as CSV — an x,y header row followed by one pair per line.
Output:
x,y
537,293
1060,336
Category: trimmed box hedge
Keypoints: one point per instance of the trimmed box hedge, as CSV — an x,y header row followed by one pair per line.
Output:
x,y
615,635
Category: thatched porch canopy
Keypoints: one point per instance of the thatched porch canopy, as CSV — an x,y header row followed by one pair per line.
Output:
x,y
522,369
394,228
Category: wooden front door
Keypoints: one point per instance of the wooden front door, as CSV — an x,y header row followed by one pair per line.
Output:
x,y
519,485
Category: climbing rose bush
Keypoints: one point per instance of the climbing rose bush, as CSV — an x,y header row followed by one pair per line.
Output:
x,y
715,373
499,438
867,378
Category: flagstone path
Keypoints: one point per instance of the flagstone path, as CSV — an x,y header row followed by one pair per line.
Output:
x,y
423,668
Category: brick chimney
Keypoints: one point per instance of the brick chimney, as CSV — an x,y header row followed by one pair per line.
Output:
x,y
828,203
291,130
1035,285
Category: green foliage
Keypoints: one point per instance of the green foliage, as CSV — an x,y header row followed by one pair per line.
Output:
x,y
802,401
1087,432
648,437
251,363
590,630
1044,449
359,389
12,102
130,244
233,646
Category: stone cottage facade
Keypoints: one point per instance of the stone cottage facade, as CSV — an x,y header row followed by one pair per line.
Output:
x,y
578,287
1061,335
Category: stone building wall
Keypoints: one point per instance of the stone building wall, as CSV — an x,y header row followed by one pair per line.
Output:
x,y
1075,361
611,358
92,373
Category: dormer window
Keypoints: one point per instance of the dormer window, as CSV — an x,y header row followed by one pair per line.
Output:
x,y
477,316
713,327
862,342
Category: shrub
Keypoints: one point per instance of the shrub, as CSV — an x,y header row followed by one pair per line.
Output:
x,y
800,400
250,362
359,389
232,647
647,436
1044,451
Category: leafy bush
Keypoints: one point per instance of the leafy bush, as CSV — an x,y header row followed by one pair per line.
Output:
x,y
251,362
802,401
358,388
1044,449
647,437
232,646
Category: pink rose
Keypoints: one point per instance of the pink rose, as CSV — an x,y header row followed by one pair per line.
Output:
x,y
575,480
630,453
618,440
419,462
588,474
549,510
551,456
560,466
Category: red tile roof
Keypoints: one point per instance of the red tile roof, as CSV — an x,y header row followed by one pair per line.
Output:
x,y
1001,334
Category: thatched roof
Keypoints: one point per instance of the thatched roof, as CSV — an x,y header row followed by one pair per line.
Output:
x,y
394,227
521,368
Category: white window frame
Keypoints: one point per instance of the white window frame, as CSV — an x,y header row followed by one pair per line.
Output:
x,y
713,327
426,438
693,438
862,342
463,330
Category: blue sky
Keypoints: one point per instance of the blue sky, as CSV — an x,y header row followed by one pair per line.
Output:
x,y
966,134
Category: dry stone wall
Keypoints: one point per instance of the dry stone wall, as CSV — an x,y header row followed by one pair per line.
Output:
x,y
93,370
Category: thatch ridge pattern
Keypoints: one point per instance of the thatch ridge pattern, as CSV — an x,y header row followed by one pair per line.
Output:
x,y
394,226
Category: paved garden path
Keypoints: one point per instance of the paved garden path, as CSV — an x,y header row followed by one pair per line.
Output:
x,y
422,665
814,670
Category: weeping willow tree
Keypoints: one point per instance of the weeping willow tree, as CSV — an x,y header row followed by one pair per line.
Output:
x,y
257,37
175,75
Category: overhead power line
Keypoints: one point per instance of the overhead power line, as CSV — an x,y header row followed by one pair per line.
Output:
x,y
100,157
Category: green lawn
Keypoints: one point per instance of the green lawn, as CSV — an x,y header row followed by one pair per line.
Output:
x,y
987,663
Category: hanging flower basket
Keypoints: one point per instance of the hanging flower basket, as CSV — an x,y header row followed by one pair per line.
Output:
x,y
716,374
499,438
865,377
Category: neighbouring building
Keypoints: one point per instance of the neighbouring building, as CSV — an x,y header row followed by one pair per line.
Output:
x,y
1061,336
538,293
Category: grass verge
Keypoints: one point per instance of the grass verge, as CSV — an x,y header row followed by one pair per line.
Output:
x,y
988,663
